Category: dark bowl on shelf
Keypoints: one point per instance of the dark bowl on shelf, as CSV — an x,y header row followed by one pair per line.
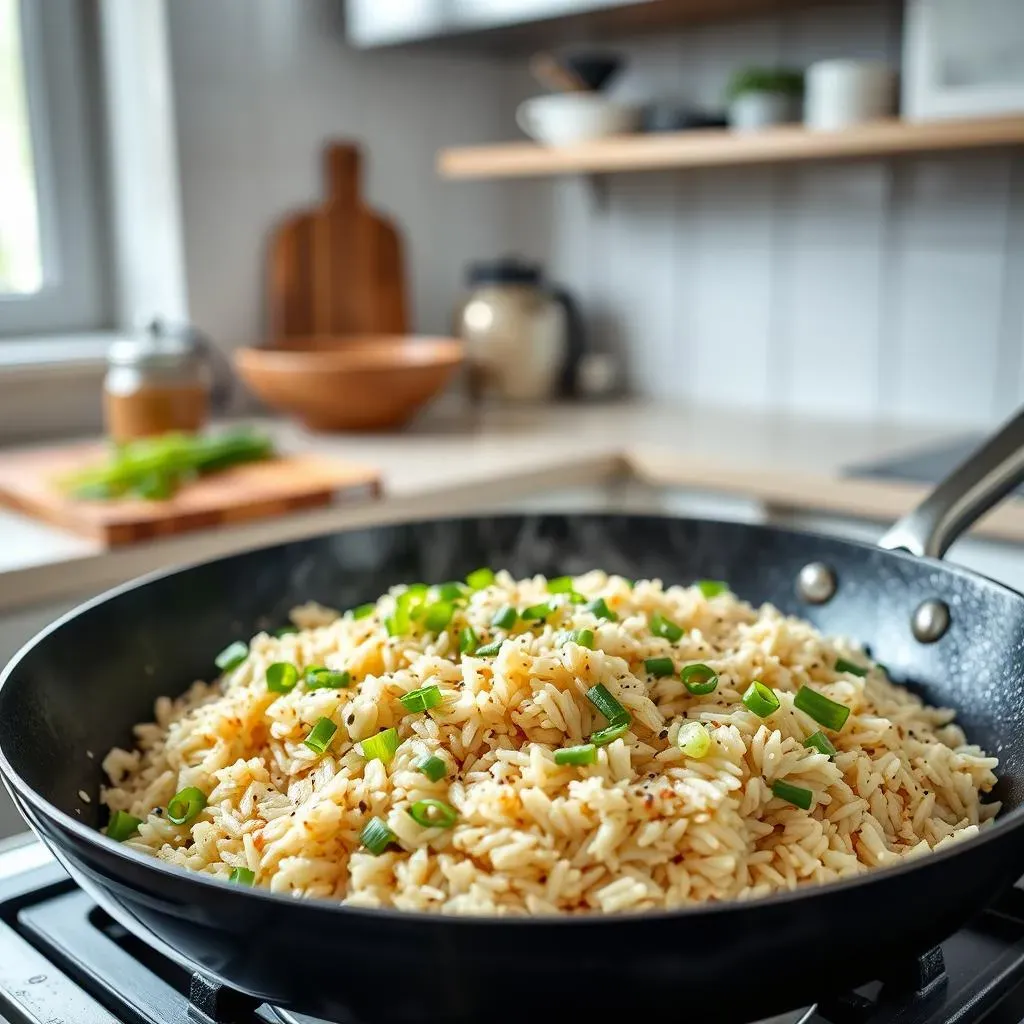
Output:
x,y
595,70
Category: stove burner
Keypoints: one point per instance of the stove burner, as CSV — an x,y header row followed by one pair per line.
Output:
x,y
63,961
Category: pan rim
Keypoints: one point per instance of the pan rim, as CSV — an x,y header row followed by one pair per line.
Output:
x,y
1013,821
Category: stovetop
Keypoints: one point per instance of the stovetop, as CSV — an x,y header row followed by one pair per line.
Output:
x,y
64,961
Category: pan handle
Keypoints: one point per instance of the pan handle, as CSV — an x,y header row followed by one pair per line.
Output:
x,y
977,484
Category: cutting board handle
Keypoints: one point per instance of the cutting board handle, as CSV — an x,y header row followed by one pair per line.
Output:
x,y
344,174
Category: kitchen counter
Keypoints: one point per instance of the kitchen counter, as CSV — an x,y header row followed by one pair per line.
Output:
x,y
448,464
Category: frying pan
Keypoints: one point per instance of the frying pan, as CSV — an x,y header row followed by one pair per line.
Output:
x,y
952,635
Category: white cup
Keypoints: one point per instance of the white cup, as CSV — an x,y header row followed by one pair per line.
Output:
x,y
564,119
840,93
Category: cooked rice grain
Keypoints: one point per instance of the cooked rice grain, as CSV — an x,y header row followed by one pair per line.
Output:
x,y
643,828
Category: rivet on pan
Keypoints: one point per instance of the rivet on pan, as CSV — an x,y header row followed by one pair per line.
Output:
x,y
930,621
816,583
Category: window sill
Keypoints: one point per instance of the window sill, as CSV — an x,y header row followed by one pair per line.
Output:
x,y
52,385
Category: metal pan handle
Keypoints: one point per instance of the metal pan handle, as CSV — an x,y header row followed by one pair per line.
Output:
x,y
977,484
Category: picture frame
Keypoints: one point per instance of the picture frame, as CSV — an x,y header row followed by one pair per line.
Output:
x,y
962,58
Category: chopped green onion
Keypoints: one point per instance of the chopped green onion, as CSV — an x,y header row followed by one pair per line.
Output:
x,y
399,622
410,603
232,656
489,650
282,677
376,836
693,740
665,628
320,736
712,588
659,667
286,631
468,640
364,610
575,597
242,876
884,669
450,591
186,805
433,767
761,699
582,637
423,699
821,743
413,592
599,607
612,732
438,615
561,585
480,578
796,795
505,617
431,813
842,665
381,747
539,612
122,826
824,711
608,706
586,753
699,679
319,678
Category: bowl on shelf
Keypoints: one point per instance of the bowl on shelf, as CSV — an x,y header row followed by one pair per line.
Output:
x,y
568,118
354,382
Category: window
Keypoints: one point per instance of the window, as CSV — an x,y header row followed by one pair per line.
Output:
x,y
53,265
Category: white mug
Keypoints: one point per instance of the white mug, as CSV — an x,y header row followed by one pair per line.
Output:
x,y
563,119
840,93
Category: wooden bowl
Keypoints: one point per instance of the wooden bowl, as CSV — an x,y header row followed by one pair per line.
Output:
x,y
350,383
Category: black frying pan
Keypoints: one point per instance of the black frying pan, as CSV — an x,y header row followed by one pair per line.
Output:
x,y
80,685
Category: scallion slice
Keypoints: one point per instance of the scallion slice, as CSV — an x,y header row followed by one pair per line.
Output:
x,y
659,667
821,743
286,631
450,591
796,795
824,711
582,637
665,628
505,617
122,826
489,650
693,740
282,677
423,699
699,679
599,607
438,615
242,876
376,836
539,612
480,578
364,610
232,656
712,588
561,585
320,736
185,805
761,699
319,678
602,699
431,813
468,640
399,622
611,732
586,753
433,767
381,747
842,665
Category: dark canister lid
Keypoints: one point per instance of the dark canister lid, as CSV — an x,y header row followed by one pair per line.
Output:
x,y
506,270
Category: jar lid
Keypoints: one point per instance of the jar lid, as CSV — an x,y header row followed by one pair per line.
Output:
x,y
156,347
504,271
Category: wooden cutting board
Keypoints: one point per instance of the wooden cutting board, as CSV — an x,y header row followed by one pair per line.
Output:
x,y
337,268
251,491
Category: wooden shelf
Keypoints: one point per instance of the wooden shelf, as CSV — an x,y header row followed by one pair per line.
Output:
x,y
718,148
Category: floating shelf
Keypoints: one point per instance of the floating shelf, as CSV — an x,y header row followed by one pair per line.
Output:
x,y
719,148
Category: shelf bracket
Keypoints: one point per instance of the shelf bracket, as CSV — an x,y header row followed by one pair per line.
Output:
x,y
597,185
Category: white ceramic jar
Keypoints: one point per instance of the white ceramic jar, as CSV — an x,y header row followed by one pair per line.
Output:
x,y
841,93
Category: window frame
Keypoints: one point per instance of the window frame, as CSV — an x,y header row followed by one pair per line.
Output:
x,y
63,102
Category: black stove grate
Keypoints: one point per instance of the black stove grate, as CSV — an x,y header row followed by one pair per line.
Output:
x,y
63,961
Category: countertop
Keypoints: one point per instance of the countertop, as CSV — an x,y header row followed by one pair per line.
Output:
x,y
449,463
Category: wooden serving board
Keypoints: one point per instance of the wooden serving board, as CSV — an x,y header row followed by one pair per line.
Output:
x,y
28,484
